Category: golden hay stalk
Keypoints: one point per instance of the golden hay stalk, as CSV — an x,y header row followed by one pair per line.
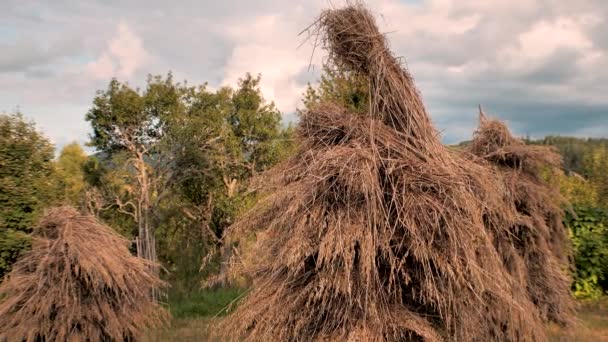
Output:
x,y
78,283
374,230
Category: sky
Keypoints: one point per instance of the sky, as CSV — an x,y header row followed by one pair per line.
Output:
x,y
540,65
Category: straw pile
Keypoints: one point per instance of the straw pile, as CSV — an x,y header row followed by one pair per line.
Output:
x,y
536,248
78,283
375,230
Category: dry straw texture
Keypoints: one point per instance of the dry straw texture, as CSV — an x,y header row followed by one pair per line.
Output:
x,y
536,248
374,230
78,283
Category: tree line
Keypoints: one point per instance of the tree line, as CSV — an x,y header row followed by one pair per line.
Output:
x,y
172,166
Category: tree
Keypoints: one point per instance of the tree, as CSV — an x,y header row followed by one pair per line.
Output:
x,y
132,125
175,159
589,234
69,175
339,86
25,170
595,164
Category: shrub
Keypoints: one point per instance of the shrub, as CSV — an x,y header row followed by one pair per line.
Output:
x,y
589,233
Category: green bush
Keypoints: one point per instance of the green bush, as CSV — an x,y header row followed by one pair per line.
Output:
x,y
589,233
12,244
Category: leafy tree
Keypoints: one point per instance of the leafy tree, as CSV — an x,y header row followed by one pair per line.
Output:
x,y
70,176
133,126
595,168
174,160
339,86
25,170
589,233
574,150
577,190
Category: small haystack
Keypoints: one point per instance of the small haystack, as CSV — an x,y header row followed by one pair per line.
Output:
x,y
78,283
536,248
374,230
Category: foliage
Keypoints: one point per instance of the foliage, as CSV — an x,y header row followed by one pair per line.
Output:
x,y
177,158
574,150
589,233
25,166
12,245
341,87
70,176
595,164
577,190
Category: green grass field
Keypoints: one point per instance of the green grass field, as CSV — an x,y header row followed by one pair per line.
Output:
x,y
194,319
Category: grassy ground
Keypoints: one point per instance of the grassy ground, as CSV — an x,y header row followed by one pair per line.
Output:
x,y
592,327
194,318
206,303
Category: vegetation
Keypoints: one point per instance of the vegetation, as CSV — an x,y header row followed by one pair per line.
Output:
x,y
174,164
589,234
25,168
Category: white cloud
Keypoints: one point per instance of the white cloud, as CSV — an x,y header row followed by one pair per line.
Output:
x,y
268,44
124,54
545,38
432,17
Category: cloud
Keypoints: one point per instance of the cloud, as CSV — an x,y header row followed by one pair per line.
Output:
x,y
540,65
123,55
271,45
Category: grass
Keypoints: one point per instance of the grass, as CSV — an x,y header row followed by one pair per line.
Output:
x,y
592,325
194,317
204,303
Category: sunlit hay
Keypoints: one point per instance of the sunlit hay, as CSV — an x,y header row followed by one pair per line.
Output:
x,y
78,283
374,230
537,239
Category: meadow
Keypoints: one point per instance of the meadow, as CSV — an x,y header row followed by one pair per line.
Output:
x,y
194,318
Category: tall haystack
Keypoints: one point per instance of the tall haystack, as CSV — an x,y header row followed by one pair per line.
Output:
x,y
536,248
78,283
374,230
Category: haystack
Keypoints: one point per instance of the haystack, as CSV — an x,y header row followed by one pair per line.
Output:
x,y
375,230
536,248
78,283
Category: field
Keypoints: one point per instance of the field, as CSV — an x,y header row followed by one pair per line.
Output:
x,y
593,324
194,318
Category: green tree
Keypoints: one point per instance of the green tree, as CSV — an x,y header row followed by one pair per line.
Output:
x,y
132,126
69,175
341,87
578,190
589,233
25,170
595,167
173,160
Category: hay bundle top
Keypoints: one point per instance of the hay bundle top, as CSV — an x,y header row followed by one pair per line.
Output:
x,y
375,230
78,283
535,248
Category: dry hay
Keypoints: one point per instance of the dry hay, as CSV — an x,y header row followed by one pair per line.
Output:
x,y
78,283
375,230
536,248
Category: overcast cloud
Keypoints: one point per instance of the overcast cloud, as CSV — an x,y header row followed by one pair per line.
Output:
x,y
541,65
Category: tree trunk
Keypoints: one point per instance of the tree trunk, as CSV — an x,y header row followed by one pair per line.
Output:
x,y
146,246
